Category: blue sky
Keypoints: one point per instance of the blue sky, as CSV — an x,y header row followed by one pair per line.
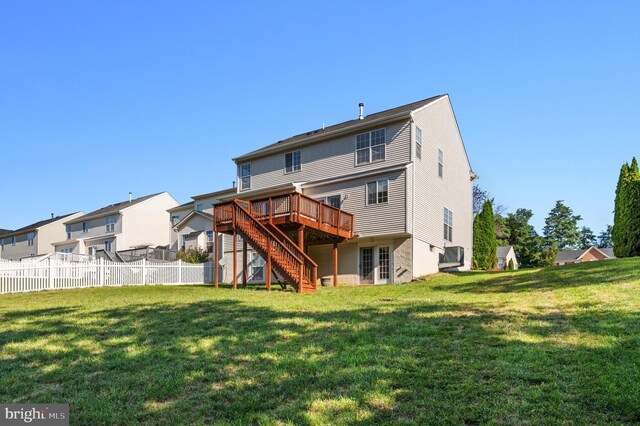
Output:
x,y
101,98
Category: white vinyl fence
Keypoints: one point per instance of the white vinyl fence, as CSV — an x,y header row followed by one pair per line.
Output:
x,y
54,274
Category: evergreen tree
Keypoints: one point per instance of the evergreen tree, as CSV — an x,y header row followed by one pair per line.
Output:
x,y
587,238
511,266
484,239
561,227
626,220
633,209
619,230
604,239
523,237
548,257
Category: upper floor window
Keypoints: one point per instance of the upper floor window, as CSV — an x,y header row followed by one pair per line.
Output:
x,y
370,146
448,225
111,224
440,162
13,241
292,161
378,192
199,207
30,237
68,228
418,143
245,176
175,219
84,227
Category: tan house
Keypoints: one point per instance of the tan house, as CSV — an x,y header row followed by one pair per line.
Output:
x,y
140,222
567,257
383,198
35,239
505,254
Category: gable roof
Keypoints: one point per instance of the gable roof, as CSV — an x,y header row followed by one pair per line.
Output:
x,y
216,193
188,217
608,251
5,231
334,130
182,206
36,225
503,251
112,208
566,255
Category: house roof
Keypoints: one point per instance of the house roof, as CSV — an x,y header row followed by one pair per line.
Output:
x,y
193,234
5,231
113,208
503,251
215,193
608,251
566,255
182,206
351,125
37,225
188,217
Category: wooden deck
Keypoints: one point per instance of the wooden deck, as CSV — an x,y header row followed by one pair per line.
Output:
x,y
291,209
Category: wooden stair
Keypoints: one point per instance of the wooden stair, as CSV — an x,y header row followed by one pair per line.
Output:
x,y
285,257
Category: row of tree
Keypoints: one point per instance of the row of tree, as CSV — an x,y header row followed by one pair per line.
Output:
x,y
493,228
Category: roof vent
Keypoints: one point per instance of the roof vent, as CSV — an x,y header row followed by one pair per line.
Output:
x,y
361,106
130,194
51,215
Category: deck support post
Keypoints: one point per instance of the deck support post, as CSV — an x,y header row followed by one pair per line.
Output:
x,y
216,251
268,274
301,237
335,264
244,263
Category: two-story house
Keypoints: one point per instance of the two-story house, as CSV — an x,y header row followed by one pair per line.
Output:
x,y
389,191
35,239
128,224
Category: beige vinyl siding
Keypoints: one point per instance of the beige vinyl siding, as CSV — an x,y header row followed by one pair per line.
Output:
x,y
453,191
377,219
21,249
95,227
146,222
331,158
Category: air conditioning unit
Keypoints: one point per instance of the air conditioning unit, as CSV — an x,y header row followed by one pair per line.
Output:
x,y
453,256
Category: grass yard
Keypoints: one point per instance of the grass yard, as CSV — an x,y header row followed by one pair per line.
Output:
x,y
550,346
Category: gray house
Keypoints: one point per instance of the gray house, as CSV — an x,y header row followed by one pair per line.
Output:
x,y
390,192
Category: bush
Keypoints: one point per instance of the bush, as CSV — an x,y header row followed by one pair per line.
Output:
x,y
484,239
193,255
510,265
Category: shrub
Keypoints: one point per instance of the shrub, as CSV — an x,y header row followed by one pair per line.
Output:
x,y
484,239
510,265
193,255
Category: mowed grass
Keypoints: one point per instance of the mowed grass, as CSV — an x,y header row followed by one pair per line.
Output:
x,y
544,346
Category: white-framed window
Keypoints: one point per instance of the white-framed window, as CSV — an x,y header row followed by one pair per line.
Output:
x,y
13,241
245,176
440,163
110,223
292,161
209,236
371,146
108,245
199,207
68,229
175,219
378,192
418,143
334,201
448,225
30,237
84,227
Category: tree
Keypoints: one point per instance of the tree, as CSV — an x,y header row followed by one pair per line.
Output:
x,y
480,196
548,257
511,266
604,239
484,239
587,238
561,227
523,237
626,220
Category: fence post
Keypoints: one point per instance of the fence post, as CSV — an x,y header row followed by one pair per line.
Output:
x,y
179,271
101,272
51,281
144,271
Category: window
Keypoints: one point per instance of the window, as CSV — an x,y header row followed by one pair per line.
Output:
x,y
199,207
175,220
245,176
13,241
378,192
292,161
333,201
370,146
418,143
440,162
209,236
448,225
383,262
184,241
68,228
108,245
111,224
84,227
30,237
500,263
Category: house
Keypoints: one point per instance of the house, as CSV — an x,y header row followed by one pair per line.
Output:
x,y
382,198
591,254
35,239
139,222
505,254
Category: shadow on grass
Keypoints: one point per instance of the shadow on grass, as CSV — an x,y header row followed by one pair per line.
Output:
x,y
399,362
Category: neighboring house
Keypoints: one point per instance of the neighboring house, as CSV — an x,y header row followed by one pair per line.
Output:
x,y
567,257
390,191
34,239
505,254
141,222
5,231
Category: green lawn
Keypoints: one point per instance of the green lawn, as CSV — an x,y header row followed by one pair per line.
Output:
x,y
557,345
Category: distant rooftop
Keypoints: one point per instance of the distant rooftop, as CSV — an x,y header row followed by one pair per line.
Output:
x,y
36,225
112,208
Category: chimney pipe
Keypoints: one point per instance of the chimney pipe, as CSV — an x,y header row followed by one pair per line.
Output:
x,y
361,105
130,196
51,215
233,183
